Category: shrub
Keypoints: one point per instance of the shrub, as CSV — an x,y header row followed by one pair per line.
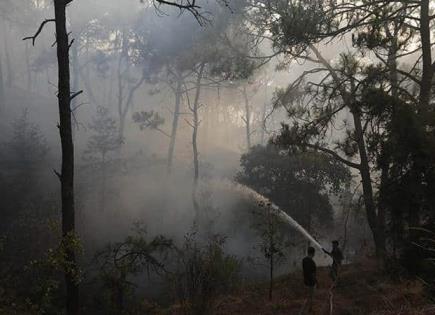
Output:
x,y
203,271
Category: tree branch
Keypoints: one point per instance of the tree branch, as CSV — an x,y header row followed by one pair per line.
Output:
x,y
41,27
73,96
333,154
162,132
57,174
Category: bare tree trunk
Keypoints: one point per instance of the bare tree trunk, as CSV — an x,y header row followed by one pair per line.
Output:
x,y
120,99
76,71
374,219
195,110
75,83
263,118
123,109
195,126
85,78
426,85
247,118
175,119
427,67
67,173
392,67
385,159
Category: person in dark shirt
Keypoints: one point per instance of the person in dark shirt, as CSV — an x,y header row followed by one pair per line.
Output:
x,y
310,280
337,258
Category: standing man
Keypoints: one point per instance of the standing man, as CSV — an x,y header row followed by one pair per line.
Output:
x,y
337,258
310,280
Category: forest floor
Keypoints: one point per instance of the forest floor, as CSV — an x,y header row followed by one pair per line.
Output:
x,y
360,290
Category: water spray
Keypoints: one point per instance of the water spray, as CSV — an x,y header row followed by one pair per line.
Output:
x,y
247,191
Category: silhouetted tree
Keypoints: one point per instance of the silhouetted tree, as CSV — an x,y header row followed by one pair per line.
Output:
x,y
300,26
101,146
271,230
298,182
66,175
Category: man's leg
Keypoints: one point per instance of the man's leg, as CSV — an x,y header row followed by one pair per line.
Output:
x,y
310,298
334,272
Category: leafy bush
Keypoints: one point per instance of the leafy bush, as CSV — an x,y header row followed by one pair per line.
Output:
x,y
120,261
203,271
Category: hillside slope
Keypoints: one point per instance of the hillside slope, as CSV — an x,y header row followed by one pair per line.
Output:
x,y
361,290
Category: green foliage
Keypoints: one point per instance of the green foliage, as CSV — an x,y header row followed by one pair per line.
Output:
x,y
379,95
297,182
45,274
26,234
119,262
203,271
271,230
418,257
294,25
148,120
28,146
105,138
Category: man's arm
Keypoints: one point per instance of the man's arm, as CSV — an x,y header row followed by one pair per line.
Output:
x,y
326,252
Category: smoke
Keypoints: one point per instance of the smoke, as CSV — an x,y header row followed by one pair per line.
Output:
x,y
137,187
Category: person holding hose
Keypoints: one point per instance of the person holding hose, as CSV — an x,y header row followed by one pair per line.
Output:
x,y
337,258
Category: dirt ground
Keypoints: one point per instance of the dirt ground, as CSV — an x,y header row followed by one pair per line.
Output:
x,y
360,290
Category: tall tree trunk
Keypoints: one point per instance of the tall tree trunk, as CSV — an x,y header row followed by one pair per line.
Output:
x,y
123,109
175,119
426,49
75,71
426,85
195,126
392,67
263,117
67,173
375,220
120,98
375,217
247,118
195,111
75,83
385,158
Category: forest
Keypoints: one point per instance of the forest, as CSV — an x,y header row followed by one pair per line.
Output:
x,y
204,157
